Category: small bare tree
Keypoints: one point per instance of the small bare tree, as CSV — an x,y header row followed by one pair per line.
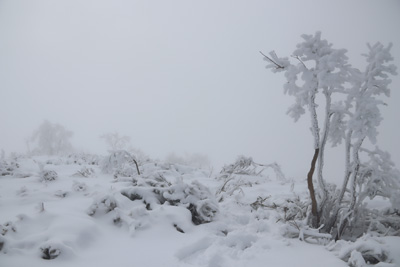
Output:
x,y
115,141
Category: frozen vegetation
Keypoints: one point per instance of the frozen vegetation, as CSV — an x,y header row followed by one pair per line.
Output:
x,y
60,208
78,210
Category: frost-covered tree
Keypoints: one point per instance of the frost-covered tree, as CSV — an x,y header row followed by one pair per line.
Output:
x,y
115,141
363,113
119,162
51,139
318,68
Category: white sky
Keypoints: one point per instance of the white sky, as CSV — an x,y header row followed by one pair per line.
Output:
x,y
178,76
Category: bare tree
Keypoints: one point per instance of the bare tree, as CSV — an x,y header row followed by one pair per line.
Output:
x,y
115,141
51,139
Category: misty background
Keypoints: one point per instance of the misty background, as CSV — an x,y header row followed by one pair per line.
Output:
x,y
179,76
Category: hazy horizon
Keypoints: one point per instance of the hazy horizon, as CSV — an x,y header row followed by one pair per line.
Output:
x,y
179,76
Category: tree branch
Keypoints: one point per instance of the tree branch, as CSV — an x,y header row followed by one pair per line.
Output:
x,y
272,61
301,61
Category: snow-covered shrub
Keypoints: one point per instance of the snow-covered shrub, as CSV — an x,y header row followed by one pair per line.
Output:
x,y
8,168
102,205
48,175
376,178
246,166
79,187
365,250
7,227
242,165
85,172
292,212
157,190
3,168
148,195
127,171
12,167
244,172
195,197
61,193
232,185
50,252
54,161
55,248
82,159
384,222
356,259
117,161
2,242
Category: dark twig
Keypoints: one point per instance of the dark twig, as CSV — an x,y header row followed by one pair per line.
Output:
x,y
301,61
272,61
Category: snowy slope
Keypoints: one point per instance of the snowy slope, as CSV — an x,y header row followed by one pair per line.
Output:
x,y
99,221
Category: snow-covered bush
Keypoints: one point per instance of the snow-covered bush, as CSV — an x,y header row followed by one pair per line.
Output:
x,y
246,166
7,227
48,175
244,172
2,242
242,165
8,168
195,197
82,159
127,171
84,172
79,187
102,205
118,161
49,252
365,251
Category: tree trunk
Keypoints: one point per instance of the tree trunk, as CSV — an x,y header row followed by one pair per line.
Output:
x,y
137,166
356,159
315,132
347,171
314,207
321,183
332,221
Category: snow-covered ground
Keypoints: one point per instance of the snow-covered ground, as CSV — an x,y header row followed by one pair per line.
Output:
x,y
96,219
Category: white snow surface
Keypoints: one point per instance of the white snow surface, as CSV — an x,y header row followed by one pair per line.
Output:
x,y
37,214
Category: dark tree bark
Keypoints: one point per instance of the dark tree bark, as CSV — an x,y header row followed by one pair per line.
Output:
x,y
314,208
137,166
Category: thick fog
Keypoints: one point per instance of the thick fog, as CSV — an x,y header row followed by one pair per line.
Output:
x,y
179,76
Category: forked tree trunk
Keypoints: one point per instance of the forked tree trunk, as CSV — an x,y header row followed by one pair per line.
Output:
x,y
353,192
321,183
314,207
